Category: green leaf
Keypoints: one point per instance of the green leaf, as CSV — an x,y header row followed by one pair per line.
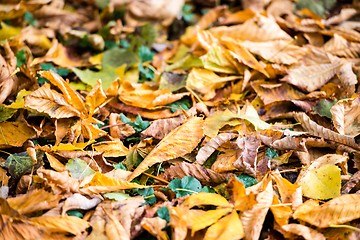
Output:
x,y
186,186
49,66
146,73
187,14
139,125
107,76
148,194
29,18
117,196
323,108
182,104
75,213
116,57
20,58
19,164
247,180
78,168
319,7
119,166
145,54
207,189
271,153
163,213
6,113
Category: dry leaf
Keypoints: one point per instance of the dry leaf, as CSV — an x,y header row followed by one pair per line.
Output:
x,y
253,218
155,226
229,227
337,211
303,231
7,137
177,143
203,198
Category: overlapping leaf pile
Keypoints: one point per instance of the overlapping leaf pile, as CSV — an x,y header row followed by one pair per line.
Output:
x,y
244,125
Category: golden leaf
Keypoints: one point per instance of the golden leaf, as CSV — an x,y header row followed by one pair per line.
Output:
x,y
95,98
111,148
177,143
34,201
281,212
206,82
62,224
7,130
199,220
336,211
228,227
204,198
239,199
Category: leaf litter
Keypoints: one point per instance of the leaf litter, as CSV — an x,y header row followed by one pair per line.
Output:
x,y
179,119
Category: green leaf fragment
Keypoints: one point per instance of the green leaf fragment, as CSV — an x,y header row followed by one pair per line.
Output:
x,y
182,104
163,213
323,108
19,164
117,196
247,180
149,195
78,168
20,58
75,213
185,186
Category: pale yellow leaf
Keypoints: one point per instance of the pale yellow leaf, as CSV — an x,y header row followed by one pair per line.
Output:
x,y
336,211
306,232
204,198
78,201
46,100
339,46
253,219
229,228
55,163
177,143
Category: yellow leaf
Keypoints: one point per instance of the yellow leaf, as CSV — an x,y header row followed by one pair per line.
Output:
x,y
322,183
19,102
7,130
155,226
286,189
336,211
95,98
177,143
61,224
229,227
206,82
281,212
34,201
8,31
200,221
203,198
239,199
111,148
70,147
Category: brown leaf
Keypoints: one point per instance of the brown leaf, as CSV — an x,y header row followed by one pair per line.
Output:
x,y
161,127
211,146
303,231
8,79
247,154
177,143
155,226
204,175
78,201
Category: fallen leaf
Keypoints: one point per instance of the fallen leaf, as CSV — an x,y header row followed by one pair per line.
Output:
x,y
304,231
336,211
187,135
